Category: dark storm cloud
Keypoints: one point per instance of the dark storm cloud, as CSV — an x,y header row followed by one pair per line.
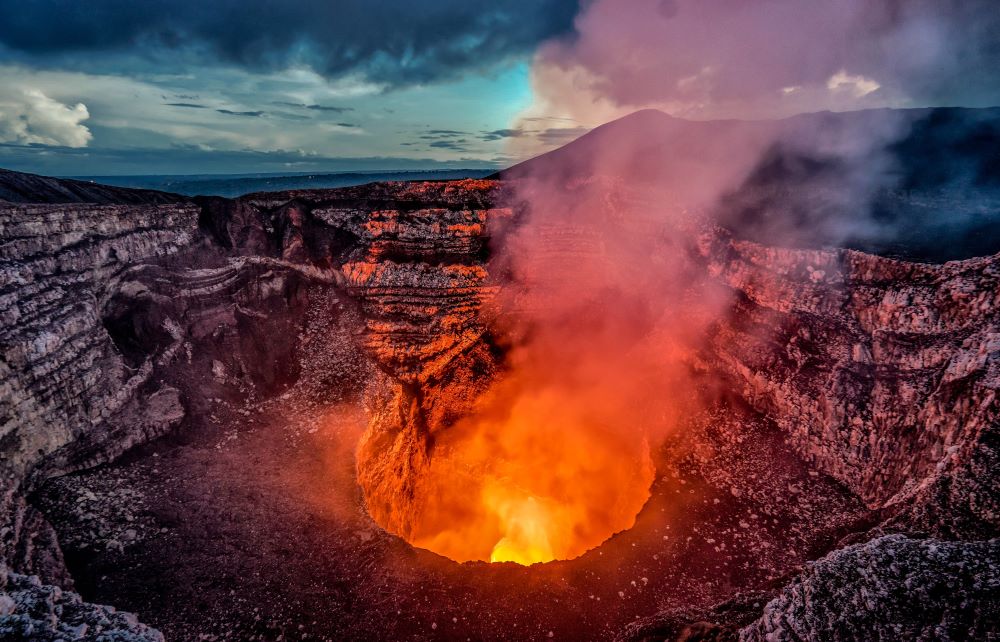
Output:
x,y
395,42
251,114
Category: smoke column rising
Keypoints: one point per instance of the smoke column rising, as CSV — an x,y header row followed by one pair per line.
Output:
x,y
605,297
606,300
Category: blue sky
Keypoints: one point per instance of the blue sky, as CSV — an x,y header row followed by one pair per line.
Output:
x,y
184,87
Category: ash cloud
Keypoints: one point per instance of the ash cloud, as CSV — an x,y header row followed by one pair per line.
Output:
x,y
393,43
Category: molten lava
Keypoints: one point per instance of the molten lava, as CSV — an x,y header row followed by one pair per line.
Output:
x,y
534,475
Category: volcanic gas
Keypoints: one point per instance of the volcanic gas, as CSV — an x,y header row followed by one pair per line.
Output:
x,y
565,373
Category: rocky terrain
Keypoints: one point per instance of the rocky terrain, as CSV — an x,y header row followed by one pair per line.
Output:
x,y
185,384
30,610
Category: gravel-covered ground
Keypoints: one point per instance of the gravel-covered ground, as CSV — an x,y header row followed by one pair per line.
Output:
x,y
248,525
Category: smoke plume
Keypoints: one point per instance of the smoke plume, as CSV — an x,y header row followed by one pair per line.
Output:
x,y
606,299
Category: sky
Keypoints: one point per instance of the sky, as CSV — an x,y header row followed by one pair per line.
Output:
x,y
114,87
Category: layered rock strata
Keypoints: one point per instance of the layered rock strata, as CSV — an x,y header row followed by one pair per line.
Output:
x,y
882,373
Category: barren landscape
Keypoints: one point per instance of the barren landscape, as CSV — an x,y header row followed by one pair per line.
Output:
x,y
243,419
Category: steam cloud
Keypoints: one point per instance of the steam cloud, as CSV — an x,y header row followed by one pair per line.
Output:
x,y
769,58
606,298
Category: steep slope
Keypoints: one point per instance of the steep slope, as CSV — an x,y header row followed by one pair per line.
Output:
x,y
919,184
18,187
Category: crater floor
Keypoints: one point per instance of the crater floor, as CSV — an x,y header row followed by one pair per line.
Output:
x,y
248,525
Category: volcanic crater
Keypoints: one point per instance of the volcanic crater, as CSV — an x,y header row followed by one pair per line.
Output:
x,y
350,414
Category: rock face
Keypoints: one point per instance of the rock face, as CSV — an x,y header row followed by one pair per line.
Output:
x,y
422,286
892,588
68,391
31,610
882,373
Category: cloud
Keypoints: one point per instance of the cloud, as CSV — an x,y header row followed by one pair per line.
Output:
x,y
444,135
133,113
337,110
456,145
560,135
498,134
330,108
188,105
858,86
392,43
769,58
252,114
29,117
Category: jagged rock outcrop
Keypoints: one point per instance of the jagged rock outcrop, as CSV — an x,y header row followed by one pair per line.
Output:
x,y
31,610
892,588
423,287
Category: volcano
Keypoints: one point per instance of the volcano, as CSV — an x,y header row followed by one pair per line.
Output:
x,y
576,400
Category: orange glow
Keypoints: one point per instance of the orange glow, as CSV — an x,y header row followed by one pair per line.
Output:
x,y
531,442
537,473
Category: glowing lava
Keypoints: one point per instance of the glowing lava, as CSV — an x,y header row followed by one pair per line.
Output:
x,y
527,532
530,478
